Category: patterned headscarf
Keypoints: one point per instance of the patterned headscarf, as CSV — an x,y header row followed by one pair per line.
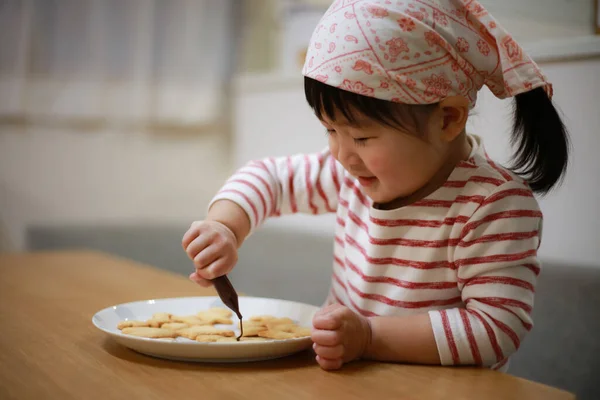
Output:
x,y
418,51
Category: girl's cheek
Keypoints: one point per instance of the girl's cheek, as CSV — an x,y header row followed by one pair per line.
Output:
x,y
377,164
333,148
379,158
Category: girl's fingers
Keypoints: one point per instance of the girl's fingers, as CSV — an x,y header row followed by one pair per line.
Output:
x,y
197,245
214,270
199,280
206,257
329,320
326,337
189,236
329,352
329,365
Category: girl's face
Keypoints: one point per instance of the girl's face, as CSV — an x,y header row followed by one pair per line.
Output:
x,y
388,163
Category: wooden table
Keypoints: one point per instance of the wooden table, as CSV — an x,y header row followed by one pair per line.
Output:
x,y
49,348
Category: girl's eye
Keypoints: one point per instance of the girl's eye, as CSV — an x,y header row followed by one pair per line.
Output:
x,y
329,132
360,141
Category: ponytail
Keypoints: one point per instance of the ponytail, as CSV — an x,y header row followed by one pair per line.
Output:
x,y
541,140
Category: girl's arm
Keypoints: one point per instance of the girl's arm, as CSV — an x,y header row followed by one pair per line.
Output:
x,y
304,183
407,339
497,273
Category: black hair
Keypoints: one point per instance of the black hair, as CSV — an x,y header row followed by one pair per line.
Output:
x,y
539,134
325,100
541,140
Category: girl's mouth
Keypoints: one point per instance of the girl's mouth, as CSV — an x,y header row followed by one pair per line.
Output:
x,y
366,181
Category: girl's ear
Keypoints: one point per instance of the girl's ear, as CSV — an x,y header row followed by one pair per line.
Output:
x,y
454,111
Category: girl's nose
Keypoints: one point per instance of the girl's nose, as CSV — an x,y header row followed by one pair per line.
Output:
x,y
345,153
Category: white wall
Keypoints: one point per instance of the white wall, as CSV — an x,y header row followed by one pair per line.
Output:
x,y
272,118
529,20
572,215
65,176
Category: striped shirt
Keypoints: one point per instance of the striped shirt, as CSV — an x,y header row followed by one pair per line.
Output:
x,y
466,254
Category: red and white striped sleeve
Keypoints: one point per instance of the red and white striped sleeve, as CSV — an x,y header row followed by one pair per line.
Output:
x,y
303,183
496,261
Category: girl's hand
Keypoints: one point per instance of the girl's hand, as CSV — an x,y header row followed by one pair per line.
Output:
x,y
339,336
213,248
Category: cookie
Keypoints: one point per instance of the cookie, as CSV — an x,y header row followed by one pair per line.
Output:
x,y
200,327
216,316
189,319
250,322
209,338
276,335
278,321
147,332
224,312
159,319
293,328
252,328
289,331
270,320
175,326
262,318
131,324
217,320
194,331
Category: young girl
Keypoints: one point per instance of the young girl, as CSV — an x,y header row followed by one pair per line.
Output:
x,y
435,246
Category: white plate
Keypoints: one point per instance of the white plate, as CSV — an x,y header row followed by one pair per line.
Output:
x,y
188,350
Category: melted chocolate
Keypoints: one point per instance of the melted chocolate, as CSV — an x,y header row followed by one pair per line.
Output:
x,y
229,297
